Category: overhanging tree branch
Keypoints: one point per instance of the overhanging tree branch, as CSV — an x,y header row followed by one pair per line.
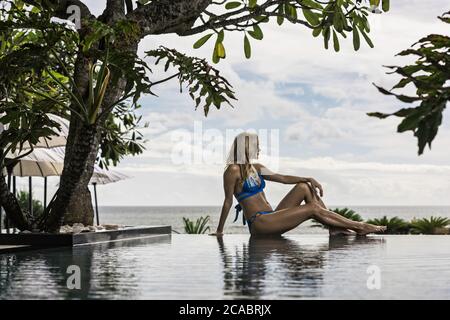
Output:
x,y
167,16
230,19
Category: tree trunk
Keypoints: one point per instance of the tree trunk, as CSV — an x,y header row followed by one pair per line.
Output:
x,y
80,208
78,169
12,208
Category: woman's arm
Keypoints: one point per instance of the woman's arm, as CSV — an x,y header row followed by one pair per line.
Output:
x,y
287,179
229,181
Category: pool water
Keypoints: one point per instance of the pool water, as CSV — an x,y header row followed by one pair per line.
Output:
x,y
236,267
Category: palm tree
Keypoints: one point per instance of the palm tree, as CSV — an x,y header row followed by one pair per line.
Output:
x,y
394,225
434,225
345,212
198,228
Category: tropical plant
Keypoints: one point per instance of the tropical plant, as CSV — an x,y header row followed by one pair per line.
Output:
x,y
429,75
199,227
23,197
24,200
395,225
345,212
429,226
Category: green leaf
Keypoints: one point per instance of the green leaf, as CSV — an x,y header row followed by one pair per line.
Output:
x,y
247,47
402,83
356,40
310,3
290,11
378,115
252,3
215,56
335,41
280,17
256,33
369,42
326,36
262,19
338,21
311,17
385,5
410,122
343,34
200,42
220,50
220,36
316,32
232,5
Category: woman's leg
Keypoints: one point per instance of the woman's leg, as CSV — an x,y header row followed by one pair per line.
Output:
x,y
304,192
287,219
299,193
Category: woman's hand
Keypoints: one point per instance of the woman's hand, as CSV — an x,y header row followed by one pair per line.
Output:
x,y
217,234
316,185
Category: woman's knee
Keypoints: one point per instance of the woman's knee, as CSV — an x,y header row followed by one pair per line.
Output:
x,y
303,186
305,189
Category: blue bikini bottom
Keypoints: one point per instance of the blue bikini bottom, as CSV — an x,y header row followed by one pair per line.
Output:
x,y
253,217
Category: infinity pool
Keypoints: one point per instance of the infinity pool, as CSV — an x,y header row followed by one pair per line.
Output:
x,y
236,267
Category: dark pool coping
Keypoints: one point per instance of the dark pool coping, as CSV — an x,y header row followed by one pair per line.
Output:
x,y
13,249
28,241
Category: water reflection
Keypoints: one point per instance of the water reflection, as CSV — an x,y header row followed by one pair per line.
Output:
x,y
279,267
104,273
243,268
46,270
341,243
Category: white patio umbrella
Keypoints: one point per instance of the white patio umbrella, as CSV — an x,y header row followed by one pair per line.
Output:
x,y
39,163
102,176
58,140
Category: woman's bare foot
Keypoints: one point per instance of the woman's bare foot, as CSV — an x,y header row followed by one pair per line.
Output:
x,y
334,231
367,228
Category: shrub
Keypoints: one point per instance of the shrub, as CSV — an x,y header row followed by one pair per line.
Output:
x,y
199,227
428,226
23,198
394,225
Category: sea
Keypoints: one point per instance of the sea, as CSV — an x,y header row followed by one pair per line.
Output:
x,y
173,216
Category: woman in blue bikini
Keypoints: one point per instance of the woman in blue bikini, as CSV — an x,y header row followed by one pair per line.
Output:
x,y
246,181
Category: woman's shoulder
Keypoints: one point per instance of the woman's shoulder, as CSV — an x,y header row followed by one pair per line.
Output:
x,y
258,167
232,169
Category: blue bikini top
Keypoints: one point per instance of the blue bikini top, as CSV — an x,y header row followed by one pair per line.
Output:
x,y
249,189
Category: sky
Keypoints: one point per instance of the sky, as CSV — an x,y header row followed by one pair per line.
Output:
x,y
309,106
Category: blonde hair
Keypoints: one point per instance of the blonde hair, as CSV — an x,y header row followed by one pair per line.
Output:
x,y
244,149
